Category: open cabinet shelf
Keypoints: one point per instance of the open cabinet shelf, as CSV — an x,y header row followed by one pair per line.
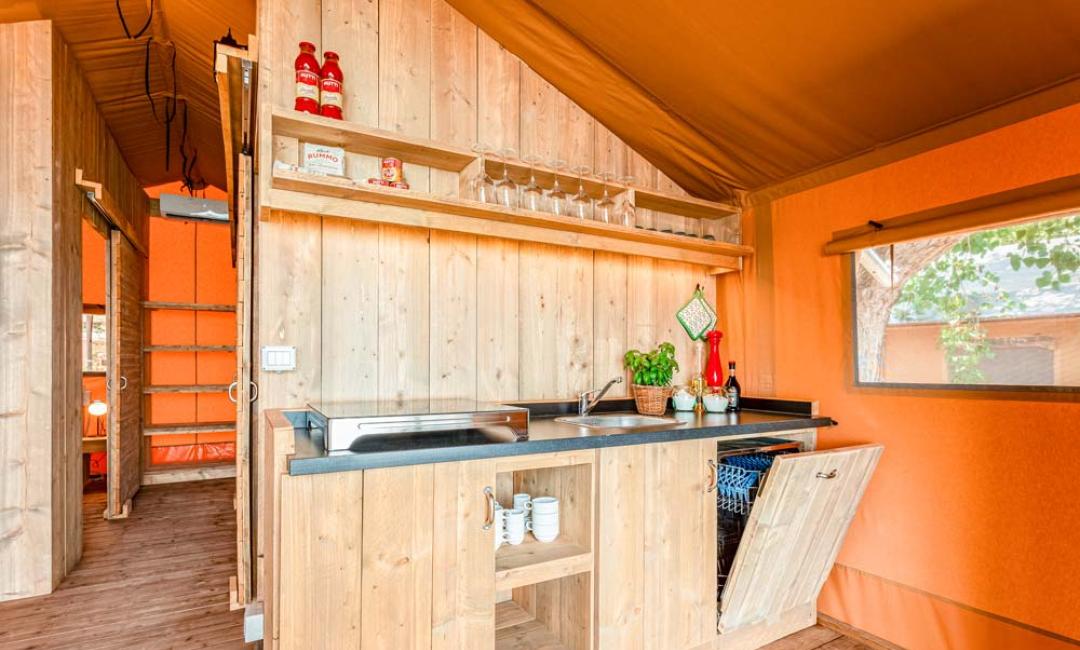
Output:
x,y
297,191
516,629
531,562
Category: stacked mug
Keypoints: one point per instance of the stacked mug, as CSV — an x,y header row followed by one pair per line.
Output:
x,y
539,516
544,520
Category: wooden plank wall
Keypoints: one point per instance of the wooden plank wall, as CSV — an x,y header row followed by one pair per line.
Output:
x,y
387,311
26,258
49,125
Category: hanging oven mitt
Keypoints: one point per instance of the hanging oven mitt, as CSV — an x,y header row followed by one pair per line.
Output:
x,y
697,317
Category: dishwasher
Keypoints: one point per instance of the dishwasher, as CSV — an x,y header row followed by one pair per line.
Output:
x,y
742,470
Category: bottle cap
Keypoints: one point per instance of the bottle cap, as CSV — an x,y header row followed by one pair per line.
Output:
x,y
307,47
330,55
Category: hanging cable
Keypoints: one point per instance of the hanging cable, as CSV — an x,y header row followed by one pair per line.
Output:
x,y
123,23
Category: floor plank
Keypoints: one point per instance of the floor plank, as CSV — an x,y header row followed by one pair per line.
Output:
x,y
158,580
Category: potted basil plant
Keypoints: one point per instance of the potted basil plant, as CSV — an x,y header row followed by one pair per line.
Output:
x,y
651,377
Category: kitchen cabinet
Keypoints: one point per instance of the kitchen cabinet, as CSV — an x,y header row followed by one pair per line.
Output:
x,y
403,558
657,550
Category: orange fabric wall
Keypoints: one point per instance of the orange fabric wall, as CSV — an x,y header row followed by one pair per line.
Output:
x,y
191,262
969,534
93,293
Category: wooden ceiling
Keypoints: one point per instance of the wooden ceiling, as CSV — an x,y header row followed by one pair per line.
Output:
x,y
742,94
114,67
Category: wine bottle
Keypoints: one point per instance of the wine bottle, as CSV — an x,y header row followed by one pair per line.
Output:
x,y
732,388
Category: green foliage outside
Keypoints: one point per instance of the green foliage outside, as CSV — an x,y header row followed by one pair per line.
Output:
x,y
654,368
959,287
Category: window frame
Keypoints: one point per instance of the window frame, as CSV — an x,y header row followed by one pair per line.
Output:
x,y
853,323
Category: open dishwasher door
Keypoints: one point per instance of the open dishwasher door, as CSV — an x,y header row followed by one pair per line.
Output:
x,y
791,539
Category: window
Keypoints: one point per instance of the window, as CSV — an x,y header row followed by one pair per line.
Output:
x,y
94,343
996,307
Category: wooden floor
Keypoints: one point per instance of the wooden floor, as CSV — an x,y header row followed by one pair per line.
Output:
x,y
160,580
157,580
817,638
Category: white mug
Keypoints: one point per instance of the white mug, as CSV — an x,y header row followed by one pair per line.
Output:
x,y
545,530
522,501
514,522
499,526
544,505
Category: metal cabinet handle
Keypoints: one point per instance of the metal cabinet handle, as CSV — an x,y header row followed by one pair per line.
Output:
x,y
230,393
713,477
123,382
489,518
832,474
254,391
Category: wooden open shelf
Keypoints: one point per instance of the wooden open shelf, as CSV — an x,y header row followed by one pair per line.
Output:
x,y
180,473
531,562
516,629
186,388
361,139
185,428
297,191
641,197
186,306
189,348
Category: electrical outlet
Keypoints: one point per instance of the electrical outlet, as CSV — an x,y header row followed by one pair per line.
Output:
x,y
278,358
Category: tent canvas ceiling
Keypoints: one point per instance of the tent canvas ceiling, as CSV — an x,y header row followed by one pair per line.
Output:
x,y
719,95
764,91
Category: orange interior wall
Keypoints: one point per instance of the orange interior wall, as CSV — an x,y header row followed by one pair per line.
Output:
x,y
968,534
93,293
191,261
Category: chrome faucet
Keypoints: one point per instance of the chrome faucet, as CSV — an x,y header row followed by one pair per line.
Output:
x,y
588,400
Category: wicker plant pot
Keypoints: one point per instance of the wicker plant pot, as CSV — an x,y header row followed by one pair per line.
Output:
x,y
651,400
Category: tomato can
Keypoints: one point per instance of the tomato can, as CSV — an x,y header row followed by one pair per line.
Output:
x,y
392,170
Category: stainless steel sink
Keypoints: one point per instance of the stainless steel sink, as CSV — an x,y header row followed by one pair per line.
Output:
x,y
620,421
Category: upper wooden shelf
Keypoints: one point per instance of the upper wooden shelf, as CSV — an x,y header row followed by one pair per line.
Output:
x,y
366,140
642,197
362,139
295,191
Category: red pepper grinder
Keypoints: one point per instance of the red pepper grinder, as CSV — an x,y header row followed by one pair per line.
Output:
x,y
307,79
714,369
330,84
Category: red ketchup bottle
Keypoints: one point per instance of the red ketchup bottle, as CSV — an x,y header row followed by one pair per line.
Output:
x,y
714,370
330,86
307,79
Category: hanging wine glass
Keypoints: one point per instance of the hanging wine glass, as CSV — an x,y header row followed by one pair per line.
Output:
x,y
626,215
532,196
506,190
483,187
604,209
556,197
581,203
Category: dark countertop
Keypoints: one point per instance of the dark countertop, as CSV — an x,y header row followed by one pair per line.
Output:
x,y
547,435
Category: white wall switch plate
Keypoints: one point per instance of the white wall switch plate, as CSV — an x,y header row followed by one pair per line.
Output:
x,y
278,358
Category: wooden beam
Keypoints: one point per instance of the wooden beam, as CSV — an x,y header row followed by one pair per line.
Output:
x,y
1026,203
103,201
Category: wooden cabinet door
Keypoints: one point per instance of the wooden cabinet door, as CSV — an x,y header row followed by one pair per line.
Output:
x,y
656,547
792,536
396,558
463,562
125,443
243,385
